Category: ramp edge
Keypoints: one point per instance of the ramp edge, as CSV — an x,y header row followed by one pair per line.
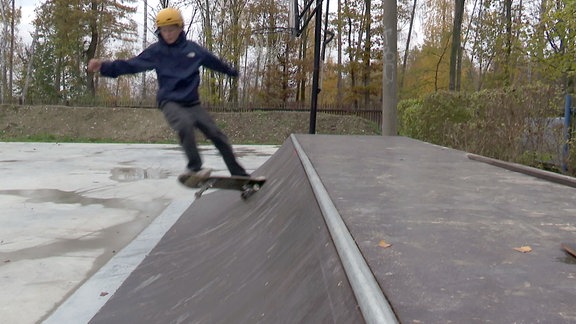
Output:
x,y
373,304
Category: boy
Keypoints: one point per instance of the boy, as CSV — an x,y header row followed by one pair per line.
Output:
x,y
177,62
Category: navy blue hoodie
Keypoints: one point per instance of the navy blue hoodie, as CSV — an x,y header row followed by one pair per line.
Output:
x,y
177,68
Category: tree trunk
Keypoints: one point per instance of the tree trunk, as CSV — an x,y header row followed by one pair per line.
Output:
x,y
340,86
29,68
144,44
302,79
407,50
11,63
508,49
91,51
456,36
367,53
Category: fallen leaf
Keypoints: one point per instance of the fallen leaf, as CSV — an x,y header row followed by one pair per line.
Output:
x,y
384,244
523,249
102,294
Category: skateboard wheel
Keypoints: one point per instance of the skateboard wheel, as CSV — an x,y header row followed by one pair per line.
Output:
x,y
247,193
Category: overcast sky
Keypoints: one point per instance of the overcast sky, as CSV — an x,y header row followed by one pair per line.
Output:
x,y
27,18
26,30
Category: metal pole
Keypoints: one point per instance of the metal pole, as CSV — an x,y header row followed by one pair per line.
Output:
x,y
389,84
316,72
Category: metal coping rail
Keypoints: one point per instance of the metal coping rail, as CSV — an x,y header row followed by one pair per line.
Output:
x,y
534,172
372,302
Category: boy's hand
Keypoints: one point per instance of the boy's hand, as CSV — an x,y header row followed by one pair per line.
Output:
x,y
233,72
94,65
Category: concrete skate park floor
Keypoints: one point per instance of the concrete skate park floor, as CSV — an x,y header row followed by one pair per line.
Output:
x,y
67,209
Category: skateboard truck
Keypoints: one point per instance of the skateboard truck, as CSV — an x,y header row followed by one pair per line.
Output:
x,y
205,186
247,189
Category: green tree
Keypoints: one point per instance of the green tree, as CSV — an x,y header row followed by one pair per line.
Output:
x,y
430,63
555,57
272,77
107,21
72,32
9,19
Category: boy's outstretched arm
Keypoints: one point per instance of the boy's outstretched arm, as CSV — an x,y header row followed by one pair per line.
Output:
x,y
143,62
94,65
213,62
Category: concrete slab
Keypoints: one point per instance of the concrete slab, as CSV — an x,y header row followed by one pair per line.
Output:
x,y
67,209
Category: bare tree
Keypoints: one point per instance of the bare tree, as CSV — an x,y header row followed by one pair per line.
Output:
x,y
144,45
407,50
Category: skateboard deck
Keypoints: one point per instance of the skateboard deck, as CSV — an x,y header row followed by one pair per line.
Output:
x,y
570,248
247,185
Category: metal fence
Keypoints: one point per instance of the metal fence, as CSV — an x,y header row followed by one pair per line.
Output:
x,y
370,113
374,115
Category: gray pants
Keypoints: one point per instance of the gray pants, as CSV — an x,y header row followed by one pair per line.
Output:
x,y
184,120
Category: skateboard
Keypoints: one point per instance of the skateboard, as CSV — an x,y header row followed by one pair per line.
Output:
x,y
570,248
247,185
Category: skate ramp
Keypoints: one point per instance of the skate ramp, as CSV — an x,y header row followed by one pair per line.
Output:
x,y
453,224
269,259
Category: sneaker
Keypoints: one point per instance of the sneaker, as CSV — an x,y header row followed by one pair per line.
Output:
x,y
202,173
191,178
243,174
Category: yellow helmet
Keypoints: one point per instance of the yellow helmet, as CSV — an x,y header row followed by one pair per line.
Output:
x,y
169,16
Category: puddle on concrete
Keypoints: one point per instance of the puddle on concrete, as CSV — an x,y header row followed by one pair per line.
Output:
x,y
71,197
111,238
55,196
126,174
240,152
